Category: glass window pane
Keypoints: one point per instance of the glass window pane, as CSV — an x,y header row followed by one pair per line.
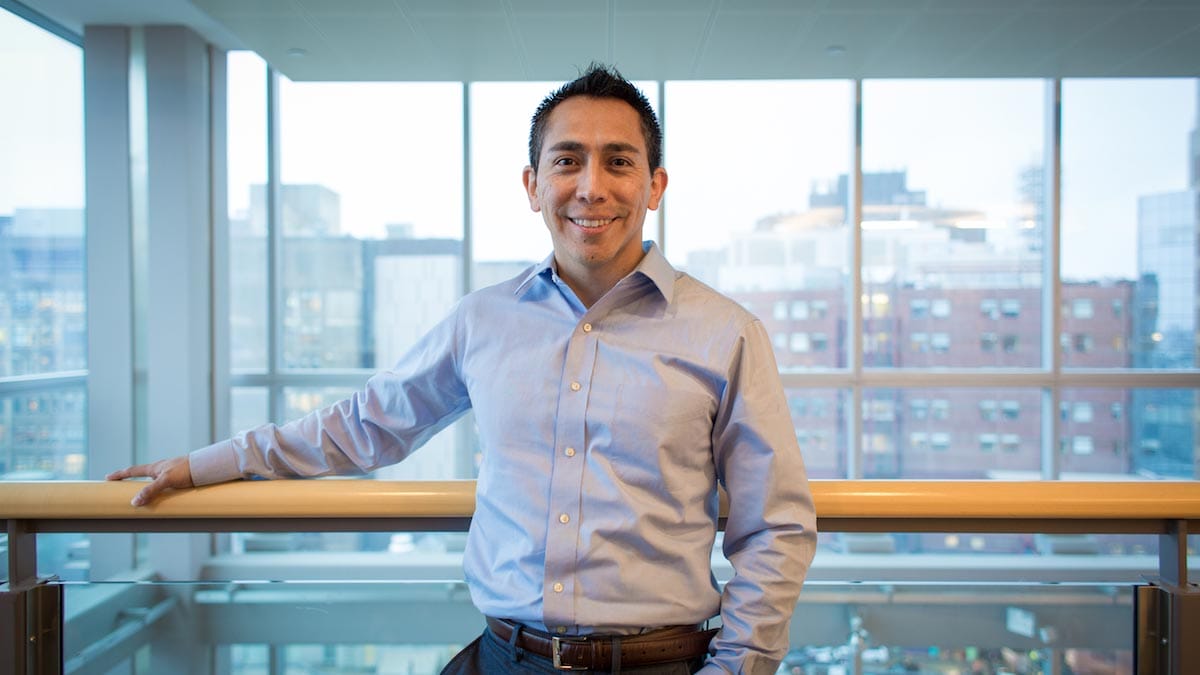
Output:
x,y
371,209
756,204
952,433
819,418
1131,218
42,317
952,221
247,170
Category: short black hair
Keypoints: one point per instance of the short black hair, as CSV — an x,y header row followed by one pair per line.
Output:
x,y
599,81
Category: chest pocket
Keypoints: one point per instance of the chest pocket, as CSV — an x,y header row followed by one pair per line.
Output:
x,y
661,433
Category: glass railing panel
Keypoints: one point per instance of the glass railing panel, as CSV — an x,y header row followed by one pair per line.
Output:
x,y
356,626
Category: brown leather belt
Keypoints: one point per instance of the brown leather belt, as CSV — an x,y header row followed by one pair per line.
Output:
x,y
596,652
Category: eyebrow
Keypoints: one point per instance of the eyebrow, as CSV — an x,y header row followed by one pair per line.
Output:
x,y
576,146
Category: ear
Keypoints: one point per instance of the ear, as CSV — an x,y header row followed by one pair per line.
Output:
x,y
529,177
658,185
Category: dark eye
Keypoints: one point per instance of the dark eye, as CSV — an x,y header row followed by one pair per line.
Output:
x,y
564,161
621,161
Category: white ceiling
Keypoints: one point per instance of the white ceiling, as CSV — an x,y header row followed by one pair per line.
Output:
x,y
681,39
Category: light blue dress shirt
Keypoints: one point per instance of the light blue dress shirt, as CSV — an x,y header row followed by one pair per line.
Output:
x,y
604,432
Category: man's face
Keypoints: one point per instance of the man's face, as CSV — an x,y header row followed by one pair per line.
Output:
x,y
593,186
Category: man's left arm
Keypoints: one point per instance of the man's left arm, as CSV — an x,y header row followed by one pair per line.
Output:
x,y
770,534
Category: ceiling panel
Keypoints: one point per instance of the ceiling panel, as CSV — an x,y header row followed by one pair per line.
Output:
x,y
678,39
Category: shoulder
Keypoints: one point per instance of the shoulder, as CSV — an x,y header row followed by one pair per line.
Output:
x,y
695,299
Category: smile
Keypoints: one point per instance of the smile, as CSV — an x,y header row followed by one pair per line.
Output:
x,y
591,223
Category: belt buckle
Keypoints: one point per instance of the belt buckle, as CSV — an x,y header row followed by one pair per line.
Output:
x,y
556,643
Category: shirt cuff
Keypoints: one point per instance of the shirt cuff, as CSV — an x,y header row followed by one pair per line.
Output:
x,y
216,463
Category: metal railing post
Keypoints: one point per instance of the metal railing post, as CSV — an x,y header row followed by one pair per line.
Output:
x,y
31,610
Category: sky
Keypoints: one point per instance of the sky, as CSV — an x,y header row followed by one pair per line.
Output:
x,y
735,151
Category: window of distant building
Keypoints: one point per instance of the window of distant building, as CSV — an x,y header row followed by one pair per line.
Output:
x,y
939,342
989,308
1009,343
1010,443
940,408
1083,343
780,340
1115,411
939,441
988,342
940,308
987,442
918,308
918,440
1082,412
1010,409
781,310
1118,308
918,342
1082,445
1010,307
989,410
799,309
820,309
800,342
919,408
820,342
1081,308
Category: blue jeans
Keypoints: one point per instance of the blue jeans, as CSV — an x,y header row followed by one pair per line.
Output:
x,y
489,655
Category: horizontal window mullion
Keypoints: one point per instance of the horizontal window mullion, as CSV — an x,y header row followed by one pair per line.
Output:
x,y
1150,379
299,378
58,380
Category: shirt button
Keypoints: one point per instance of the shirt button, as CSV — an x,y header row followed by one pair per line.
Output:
x,y
575,386
558,588
564,519
587,327
569,452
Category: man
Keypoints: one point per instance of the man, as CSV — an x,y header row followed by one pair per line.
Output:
x,y
612,395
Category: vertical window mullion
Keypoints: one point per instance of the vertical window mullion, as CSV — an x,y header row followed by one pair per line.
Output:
x,y
1051,279
274,254
854,450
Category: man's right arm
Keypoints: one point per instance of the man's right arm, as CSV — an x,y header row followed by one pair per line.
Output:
x,y
392,416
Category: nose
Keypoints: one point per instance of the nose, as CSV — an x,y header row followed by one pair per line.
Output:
x,y
591,185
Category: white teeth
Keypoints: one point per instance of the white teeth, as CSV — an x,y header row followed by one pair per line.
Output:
x,y
591,223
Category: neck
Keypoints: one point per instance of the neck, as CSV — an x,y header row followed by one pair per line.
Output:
x,y
592,283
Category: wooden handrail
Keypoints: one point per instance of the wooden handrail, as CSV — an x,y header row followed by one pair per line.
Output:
x,y
835,500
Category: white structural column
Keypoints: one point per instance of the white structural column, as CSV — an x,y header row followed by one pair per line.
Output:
x,y
179,222
111,407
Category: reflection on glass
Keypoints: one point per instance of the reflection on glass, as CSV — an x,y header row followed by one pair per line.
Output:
x,y
371,218
953,222
246,117
1131,220
756,206
951,434
43,434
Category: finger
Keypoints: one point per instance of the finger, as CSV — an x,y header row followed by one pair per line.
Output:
x,y
150,492
127,472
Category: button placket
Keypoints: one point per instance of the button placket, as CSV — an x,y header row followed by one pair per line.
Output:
x,y
562,543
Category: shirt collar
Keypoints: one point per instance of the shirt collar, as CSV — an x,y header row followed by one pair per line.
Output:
x,y
654,266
